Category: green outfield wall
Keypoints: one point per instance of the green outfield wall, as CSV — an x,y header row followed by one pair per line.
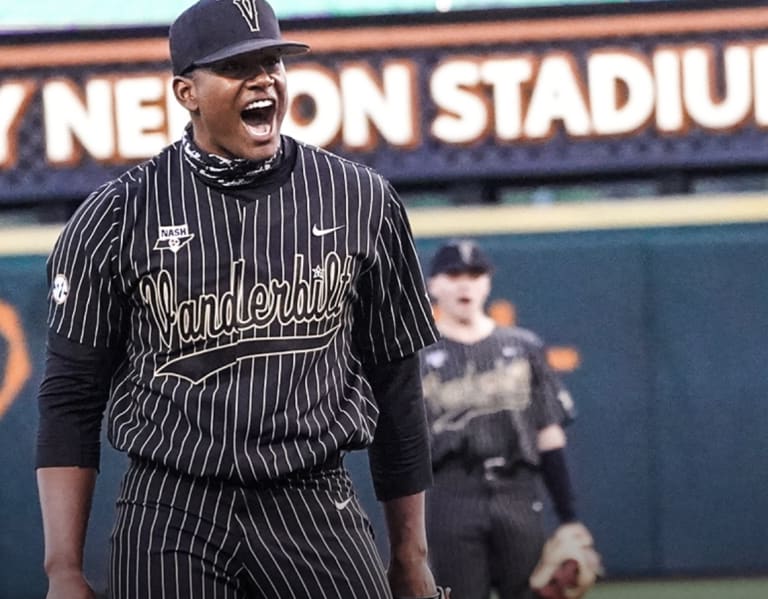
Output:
x,y
670,326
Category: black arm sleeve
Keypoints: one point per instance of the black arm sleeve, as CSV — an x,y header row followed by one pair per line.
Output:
x,y
554,471
399,456
71,403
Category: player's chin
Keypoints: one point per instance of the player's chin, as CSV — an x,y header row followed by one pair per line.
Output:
x,y
260,142
260,149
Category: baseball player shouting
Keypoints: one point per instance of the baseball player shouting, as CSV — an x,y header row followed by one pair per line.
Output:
x,y
496,413
250,309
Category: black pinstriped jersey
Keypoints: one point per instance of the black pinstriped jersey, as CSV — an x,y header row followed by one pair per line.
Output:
x,y
243,315
489,399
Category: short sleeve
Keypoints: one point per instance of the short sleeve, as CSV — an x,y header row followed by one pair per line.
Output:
x,y
84,306
394,317
552,401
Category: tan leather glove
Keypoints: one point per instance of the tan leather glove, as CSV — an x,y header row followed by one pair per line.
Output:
x,y
569,564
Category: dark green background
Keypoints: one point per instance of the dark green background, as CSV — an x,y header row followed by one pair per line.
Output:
x,y
668,452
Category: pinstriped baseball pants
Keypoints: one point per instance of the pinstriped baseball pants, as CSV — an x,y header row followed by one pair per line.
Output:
x,y
179,537
484,534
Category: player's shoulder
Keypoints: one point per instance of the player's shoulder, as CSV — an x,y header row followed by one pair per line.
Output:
x,y
341,162
520,335
104,206
132,180
435,356
141,174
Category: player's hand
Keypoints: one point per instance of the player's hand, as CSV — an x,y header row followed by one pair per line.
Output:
x,y
414,580
70,584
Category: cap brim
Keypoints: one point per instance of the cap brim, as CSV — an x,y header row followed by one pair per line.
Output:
x,y
283,46
459,270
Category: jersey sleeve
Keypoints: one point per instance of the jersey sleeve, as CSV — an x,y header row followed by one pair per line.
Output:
x,y
552,401
84,323
394,316
84,304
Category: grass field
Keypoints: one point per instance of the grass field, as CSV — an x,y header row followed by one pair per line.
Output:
x,y
736,588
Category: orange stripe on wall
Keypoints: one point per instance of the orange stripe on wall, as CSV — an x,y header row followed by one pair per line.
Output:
x,y
410,36
18,366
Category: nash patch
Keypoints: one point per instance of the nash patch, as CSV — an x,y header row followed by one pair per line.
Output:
x,y
173,238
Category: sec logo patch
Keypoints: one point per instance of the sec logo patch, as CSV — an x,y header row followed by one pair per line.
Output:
x,y
60,289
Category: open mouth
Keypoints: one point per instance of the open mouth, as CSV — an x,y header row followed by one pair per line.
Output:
x,y
259,116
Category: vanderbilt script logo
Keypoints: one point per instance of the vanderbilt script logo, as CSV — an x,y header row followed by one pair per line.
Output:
x,y
506,386
237,310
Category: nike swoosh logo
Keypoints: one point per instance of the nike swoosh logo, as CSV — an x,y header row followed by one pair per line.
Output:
x,y
318,232
340,505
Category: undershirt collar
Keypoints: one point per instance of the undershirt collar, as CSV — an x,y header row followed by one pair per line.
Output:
x,y
228,173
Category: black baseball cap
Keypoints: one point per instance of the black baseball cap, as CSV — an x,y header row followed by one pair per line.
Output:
x,y
212,30
460,255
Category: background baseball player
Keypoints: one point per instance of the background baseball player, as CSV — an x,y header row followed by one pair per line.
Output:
x,y
252,306
496,412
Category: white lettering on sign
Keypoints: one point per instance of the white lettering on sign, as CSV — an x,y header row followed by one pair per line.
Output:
x,y
463,111
14,99
506,76
620,92
506,97
670,113
705,105
142,128
760,73
115,119
357,107
73,122
388,107
558,96
317,88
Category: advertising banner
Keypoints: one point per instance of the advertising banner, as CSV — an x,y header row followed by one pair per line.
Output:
x,y
445,100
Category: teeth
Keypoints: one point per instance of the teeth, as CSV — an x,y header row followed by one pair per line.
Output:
x,y
259,104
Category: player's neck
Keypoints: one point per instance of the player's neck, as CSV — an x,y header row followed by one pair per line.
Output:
x,y
466,331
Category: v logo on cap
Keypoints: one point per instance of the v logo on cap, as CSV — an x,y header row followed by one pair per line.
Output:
x,y
249,12
212,30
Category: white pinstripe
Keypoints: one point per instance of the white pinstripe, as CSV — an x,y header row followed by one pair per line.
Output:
x,y
291,549
256,417
367,559
287,577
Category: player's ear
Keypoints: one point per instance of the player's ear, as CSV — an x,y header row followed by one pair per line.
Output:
x,y
432,288
185,91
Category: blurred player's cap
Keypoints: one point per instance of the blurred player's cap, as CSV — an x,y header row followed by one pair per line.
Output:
x,y
458,256
211,30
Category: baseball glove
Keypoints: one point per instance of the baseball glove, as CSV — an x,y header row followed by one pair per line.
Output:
x,y
569,564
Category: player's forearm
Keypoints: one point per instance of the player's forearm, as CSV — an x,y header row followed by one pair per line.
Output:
x,y
408,573
406,527
65,500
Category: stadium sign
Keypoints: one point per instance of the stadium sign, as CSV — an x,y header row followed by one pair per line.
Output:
x,y
453,101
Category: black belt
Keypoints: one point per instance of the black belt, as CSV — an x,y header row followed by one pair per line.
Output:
x,y
493,468
300,477
500,468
